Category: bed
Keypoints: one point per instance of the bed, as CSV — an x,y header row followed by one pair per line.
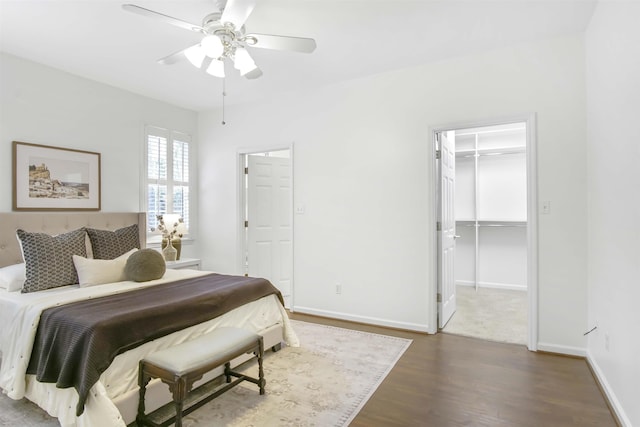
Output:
x,y
112,400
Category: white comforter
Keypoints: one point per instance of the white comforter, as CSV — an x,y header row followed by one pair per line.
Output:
x,y
19,317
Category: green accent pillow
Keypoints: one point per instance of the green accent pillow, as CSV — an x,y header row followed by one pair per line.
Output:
x,y
145,265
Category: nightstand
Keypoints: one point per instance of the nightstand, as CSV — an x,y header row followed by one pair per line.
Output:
x,y
184,263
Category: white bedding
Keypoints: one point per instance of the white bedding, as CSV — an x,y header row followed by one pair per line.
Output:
x,y
19,317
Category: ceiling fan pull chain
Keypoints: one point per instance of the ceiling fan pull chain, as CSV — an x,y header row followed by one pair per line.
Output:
x,y
224,93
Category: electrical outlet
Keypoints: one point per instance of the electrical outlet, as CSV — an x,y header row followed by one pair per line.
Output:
x,y
338,288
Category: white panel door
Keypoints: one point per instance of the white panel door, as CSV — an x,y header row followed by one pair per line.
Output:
x,y
269,230
447,231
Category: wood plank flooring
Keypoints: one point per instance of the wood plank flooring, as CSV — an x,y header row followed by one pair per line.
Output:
x,y
448,380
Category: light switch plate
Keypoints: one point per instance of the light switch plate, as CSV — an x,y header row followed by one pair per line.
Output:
x,y
546,207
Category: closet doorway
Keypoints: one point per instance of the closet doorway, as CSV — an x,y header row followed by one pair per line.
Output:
x,y
486,231
266,229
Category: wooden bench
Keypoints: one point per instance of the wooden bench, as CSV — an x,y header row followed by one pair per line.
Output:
x,y
182,365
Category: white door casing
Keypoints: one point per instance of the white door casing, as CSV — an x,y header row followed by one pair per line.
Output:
x,y
532,221
447,230
269,221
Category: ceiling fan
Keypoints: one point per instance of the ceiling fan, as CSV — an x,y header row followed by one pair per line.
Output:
x,y
225,38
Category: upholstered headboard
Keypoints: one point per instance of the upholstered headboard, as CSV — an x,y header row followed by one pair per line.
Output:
x,y
58,222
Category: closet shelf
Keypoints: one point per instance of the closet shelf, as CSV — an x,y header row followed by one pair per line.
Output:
x,y
483,131
493,151
491,223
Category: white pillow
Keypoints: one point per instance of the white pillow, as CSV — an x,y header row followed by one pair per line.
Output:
x,y
12,277
98,271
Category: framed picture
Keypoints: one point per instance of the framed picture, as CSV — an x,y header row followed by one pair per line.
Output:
x,y
55,179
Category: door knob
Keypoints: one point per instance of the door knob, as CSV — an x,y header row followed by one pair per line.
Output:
x,y
455,236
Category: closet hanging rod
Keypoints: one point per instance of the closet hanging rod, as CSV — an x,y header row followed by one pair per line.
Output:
x,y
502,225
467,223
467,154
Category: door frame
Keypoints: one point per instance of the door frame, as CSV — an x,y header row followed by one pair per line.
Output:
x,y
241,199
532,219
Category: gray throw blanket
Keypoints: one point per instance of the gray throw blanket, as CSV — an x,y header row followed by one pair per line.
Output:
x,y
76,343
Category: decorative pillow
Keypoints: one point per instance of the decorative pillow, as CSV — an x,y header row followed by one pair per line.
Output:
x,y
107,244
12,277
48,259
98,271
144,265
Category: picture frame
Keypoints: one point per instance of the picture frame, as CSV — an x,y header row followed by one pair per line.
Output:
x,y
47,178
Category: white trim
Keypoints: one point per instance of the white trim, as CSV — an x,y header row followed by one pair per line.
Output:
x,y
144,161
532,231
532,220
293,229
364,319
264,150
562,349
240,204
432,238
608,391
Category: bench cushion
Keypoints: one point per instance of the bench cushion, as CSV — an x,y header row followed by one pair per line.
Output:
x,y
215,347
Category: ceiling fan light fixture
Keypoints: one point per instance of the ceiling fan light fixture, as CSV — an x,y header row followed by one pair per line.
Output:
x,y
223,37
243,62
216,68
195,55
212,46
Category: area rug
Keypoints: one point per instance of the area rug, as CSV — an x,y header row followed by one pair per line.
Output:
x,y
324,382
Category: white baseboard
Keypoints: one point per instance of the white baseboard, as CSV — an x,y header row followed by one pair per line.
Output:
x,y
494,285
362,319
562,349
611,396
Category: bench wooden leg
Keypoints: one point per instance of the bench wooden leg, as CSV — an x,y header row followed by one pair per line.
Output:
x,y
227,371
179,407
179,389
143,380
261,381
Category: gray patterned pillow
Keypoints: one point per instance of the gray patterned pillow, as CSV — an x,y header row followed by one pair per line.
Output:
x,y
49,259
107,244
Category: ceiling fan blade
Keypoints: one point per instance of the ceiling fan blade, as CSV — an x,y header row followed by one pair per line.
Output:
x,y
269,41
161,17
254,74
237,12
220,4
174,57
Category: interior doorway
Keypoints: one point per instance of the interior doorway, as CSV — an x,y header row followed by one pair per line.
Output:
x,y
486,222
266,229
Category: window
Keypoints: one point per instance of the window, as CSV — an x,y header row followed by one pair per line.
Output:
x,y
167,174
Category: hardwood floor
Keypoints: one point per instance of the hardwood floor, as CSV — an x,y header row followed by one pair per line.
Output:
x,y
448,380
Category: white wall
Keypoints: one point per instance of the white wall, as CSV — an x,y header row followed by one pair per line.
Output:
x,y
613,107
362,169
46,106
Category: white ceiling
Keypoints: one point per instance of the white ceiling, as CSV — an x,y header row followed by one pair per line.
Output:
x,y
98,40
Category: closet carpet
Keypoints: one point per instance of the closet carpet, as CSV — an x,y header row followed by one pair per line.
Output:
x,y
491,314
